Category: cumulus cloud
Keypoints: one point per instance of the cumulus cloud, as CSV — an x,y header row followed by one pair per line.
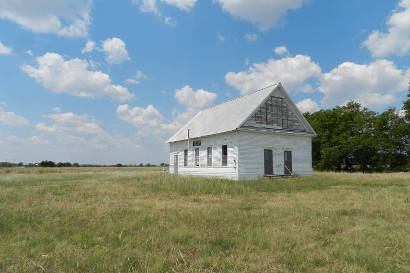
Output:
x,y
11,118
396,41
198,99
149,121
148,6
193,102
264,13
70,122
138,76
140,116
115,51
89,46
73,77
281,50
151,6
185,5
5,50
373,84
375,100
308,105
81,131
251,37
62,17
170,21
220,37
291,71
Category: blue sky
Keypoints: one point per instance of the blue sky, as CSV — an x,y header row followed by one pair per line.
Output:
x,y
110,81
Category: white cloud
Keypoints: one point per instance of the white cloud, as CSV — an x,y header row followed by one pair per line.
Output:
x,y
132,81
5,50
115,51
198,99
264,13
62,17
396,41
140,117
71,137
73,77
185,5
374,84
375,100
89,46
151,6
308,105
150,122
148,6
29,52
72,123
170,21
251,37
291,71
193,101
138,76
11,118
220,37
281,50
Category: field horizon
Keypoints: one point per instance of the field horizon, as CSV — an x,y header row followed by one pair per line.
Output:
x,y
141,220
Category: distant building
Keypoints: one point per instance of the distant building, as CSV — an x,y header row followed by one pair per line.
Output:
x,y
260,134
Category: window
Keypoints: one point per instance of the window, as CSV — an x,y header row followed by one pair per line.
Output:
x,y
185,158
197,157
209,156
224,155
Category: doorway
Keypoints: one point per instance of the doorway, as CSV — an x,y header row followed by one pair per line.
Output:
x,y
268,159
288,162
175,164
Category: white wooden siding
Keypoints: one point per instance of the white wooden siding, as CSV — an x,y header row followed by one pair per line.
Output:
x,y
217,170
245,155
251,153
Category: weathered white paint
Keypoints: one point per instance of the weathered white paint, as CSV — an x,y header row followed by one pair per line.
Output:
x,y
231,124
245,154
251,157
217,170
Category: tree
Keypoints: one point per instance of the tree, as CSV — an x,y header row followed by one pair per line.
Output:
x,y
406,106
392,134
47,163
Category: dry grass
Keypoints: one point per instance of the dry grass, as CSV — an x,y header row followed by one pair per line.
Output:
x,y
137,220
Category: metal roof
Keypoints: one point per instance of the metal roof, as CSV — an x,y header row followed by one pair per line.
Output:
x,y
224,117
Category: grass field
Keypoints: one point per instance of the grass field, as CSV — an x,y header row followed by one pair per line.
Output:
x,y
138,220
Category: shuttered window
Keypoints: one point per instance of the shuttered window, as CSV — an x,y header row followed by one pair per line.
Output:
x,y
224,155
197,157
209,156
185,158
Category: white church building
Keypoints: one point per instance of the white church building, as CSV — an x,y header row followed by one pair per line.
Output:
x,y
256,135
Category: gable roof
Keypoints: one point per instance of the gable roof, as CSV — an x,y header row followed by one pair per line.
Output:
x,y
229,116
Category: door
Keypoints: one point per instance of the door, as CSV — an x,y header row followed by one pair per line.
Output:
x,y
288,162
175,164
268,159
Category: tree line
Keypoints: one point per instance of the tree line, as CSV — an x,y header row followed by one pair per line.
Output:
x,y
52,164
353,138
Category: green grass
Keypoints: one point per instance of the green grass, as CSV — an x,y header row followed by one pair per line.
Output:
x,y
138,220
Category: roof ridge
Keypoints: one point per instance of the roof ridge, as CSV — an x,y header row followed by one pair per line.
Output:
x,y
240,97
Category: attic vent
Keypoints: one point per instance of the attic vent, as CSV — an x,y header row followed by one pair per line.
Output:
x,y
276,113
